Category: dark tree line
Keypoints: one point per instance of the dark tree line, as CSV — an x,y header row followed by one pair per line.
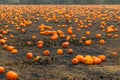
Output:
x,y
60,1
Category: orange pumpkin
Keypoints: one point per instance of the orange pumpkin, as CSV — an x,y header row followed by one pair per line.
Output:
x,y
88,61
115,30
68,38
83,37
10,48
5,46
29,55
109,35
90,24
40,45
88,42
70,51
73,35
75,61
98,35
110,29
96,60
70,31
115,36
102,57
65,44
87,32
11,75
34,37
1,36
102,27
4,32
2,70
80,58
102,41
14,51
5,38
54,37
11,36
36,58
85,26
2,41
6,26
59,51
46,53
62,36
18,28
23,30
40,42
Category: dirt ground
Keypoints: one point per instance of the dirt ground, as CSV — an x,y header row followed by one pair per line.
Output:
x,y
59,67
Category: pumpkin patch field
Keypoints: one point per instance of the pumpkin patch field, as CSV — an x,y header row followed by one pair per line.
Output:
x,y
59,42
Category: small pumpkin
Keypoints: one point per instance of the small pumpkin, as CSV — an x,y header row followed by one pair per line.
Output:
x,y
2,70
14,51
11,75
5,46
88,42
34,37
12,36
75,61
1,36
115,53
80,58
40,42
102,57
54,37
73,35
37,58
115,36
110,29
10,48
70,30
102,41
59,51
70,51
109,35
88,61
68,38
96,60
29,55
2,41
23,30
40,45
87,33
83,37
65,44
46,53
98,35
